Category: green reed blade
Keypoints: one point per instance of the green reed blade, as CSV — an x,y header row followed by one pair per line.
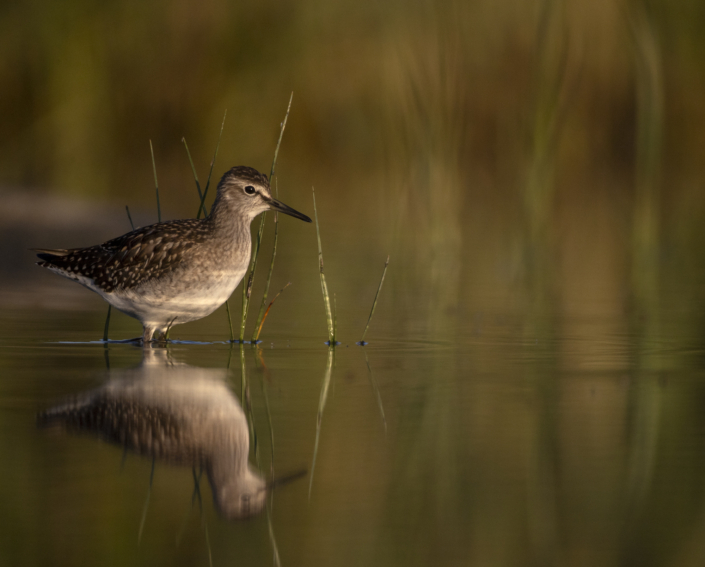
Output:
x,y
324,286
335,317
168,329
255,337
247,291
195,175
262,313
281,135
321,406
374,303
107,318
230,321
129,217
156,183
202,206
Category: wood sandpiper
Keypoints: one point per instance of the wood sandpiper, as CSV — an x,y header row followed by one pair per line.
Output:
x,y
175,271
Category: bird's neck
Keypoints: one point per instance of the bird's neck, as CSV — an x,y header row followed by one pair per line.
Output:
x,y
228,222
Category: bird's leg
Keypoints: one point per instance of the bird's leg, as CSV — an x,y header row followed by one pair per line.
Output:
x,y
147,335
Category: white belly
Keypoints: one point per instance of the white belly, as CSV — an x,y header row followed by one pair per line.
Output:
x,y
183,299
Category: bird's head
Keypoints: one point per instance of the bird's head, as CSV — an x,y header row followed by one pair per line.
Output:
x,y
246,190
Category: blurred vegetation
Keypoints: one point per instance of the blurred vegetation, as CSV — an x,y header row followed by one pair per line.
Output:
x,y
433,123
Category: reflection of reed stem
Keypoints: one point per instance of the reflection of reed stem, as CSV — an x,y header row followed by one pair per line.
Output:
x,y
321,406
196,496
272,539
647,397
246,402
146,504
260,358
375,387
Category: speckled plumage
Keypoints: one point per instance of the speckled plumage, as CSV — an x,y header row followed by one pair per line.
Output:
x,y
176,271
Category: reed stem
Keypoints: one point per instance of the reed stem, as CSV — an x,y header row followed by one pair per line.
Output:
x,y
247,290
195,175
374,303
156,183
129,217
107,324
255,337
230,321
202,206
324,286
262,314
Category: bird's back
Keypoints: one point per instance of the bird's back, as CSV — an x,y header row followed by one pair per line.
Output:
x,y
131,259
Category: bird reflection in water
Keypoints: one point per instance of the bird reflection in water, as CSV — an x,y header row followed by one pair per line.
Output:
x,y
180,414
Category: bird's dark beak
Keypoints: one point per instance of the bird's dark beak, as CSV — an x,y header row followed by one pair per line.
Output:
x,y
281,481
286,209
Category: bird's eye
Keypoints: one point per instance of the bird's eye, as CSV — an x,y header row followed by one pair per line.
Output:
x,y
250,190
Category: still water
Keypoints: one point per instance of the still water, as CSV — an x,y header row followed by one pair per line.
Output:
x,y
501,445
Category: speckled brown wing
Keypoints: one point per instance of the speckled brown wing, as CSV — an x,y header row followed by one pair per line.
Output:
x,y
144,429
129,260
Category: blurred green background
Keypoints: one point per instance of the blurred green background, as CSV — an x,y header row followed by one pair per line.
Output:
x,y
461,137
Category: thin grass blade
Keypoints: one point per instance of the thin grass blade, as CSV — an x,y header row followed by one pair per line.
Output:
x,y
255,337
110,307
262,313
281,135
247,291
230,321
193,169
129,217
156,183
324,286
107,324
374,304
202,206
